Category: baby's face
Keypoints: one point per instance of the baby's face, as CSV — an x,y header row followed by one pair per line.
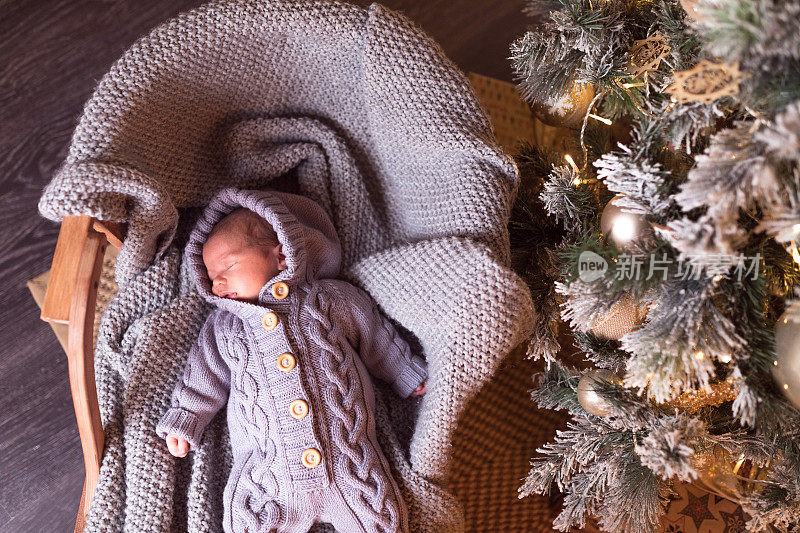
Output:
x,y
238,270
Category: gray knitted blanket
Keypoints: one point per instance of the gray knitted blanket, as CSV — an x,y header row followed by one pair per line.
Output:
x,y
360,111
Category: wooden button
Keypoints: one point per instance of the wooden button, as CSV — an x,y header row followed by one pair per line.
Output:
x,y
286,362
311,458
269,321
280,290
298,409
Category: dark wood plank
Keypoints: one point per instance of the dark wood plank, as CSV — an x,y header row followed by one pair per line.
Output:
x,y
52,54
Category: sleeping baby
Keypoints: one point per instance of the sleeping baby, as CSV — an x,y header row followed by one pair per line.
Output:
x,y
291,350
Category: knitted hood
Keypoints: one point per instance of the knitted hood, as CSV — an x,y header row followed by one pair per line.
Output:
x,y
309,239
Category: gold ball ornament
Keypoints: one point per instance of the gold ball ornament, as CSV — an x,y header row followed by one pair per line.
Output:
x,y
715,472
569,110
620,226
729,476
786,366
592,402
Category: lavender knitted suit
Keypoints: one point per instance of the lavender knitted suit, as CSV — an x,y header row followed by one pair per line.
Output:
x,y
327,335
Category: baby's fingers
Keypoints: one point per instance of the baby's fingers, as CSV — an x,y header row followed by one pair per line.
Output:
x,y
177,446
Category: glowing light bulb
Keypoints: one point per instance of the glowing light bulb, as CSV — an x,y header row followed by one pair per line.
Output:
x,y
785,386
699,355
725,358
795,253
738,465
624,228
572,163
601,119
774,363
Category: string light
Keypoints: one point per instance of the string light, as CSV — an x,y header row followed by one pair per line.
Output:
x,y
738,464
583,127
725,358
699,355
795,253
601,119
572,163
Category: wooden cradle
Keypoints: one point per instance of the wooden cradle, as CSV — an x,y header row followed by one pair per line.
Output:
x,y
71,299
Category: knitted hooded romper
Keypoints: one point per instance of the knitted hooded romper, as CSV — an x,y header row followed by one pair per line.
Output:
x,y
294,371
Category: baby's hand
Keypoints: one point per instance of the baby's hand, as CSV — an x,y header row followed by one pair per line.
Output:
x,y
177,445
419,391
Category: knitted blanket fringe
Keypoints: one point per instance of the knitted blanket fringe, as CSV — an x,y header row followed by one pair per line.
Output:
x,y
362,112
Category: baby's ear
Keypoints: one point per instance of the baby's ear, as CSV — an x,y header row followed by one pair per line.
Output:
x,y
281,257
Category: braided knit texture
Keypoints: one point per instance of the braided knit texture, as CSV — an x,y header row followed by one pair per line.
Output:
x,y
349,423
355,108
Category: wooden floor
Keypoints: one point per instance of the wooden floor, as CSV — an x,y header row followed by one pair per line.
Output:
x,y
52,54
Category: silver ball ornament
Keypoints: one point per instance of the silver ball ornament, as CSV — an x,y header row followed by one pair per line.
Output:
x,y
621,227
786,367
592,402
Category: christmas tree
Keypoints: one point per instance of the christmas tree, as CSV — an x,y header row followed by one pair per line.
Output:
x,y
667,241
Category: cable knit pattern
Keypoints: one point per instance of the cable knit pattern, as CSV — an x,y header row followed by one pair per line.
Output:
x,y
349,428
354,108
257,485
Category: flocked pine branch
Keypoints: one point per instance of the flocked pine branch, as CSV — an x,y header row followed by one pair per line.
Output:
x,y
781,138
688,124
668,448
732,175
633,173
533,238
567,204
761,35
556,388
683,322
603,353
597,468
579,41
777,502
781,141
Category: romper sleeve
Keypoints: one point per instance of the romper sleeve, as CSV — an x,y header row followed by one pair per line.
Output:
x,y
383,351
201,391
